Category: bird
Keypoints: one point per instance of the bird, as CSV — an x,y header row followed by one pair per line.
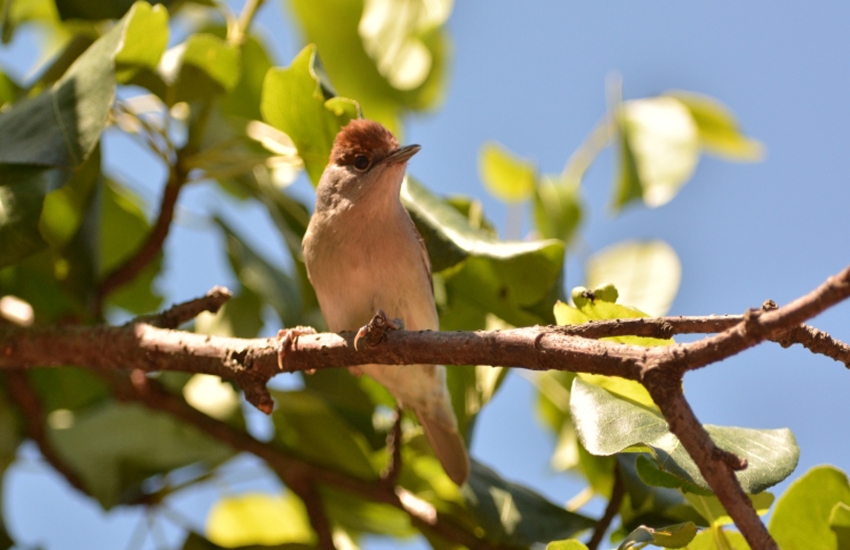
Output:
x,y
364,254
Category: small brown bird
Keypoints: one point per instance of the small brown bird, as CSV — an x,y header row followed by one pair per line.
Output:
x,y
363,253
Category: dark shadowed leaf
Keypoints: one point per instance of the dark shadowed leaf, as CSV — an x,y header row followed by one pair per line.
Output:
x,y
513,514
123,229
507,278
307,425
62,125
674,536
357,515
115,447
607,425
22,192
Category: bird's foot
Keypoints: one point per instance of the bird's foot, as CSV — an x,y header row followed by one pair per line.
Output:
x,y
375,331
289,340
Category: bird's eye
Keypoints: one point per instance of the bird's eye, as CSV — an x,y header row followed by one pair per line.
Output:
x,y
361,162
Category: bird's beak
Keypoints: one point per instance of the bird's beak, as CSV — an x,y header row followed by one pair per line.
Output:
x,y
401,155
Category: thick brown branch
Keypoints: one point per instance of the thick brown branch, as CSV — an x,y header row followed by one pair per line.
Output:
x,y
22,393
715,464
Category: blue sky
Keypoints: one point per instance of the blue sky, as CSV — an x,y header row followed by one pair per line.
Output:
x,y
531,75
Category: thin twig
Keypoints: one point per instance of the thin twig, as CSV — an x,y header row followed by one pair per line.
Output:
x,y
152,246
181,313
22,393
287,466
611,511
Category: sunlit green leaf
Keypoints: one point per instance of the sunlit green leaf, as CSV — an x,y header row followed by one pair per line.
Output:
x,y
404,41
719,132
240,317
571,544
839,522
710,508
712,539
646,274
299,103
507,177
202,66
259,518
594,310
608,425
513,514
115,447
801,517
557,208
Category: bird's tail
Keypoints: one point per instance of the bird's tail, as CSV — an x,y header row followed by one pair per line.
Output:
x,y
449,447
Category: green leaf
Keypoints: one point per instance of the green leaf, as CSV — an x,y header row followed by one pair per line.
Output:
x,y
557,208
607,425
646,274
357,515
390,59
674,536
628,186
592,309
665,142
801,518
244,99
69,388
9,89
506,176
710,508
839,522
512,279
62,125
65,208
123,229
115,447
277,288
22,192
571,544
299,103
202,66
308,426
719,132
240,317
343,392
513,514
96,10
712,539
258,518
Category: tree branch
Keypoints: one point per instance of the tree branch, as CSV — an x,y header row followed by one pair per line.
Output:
x,y
22,393
291,469
152,246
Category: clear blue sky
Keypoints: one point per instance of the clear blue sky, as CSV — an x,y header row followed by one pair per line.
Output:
x,y
531,75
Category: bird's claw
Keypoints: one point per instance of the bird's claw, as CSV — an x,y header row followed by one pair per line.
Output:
x,y
375,331
289,340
